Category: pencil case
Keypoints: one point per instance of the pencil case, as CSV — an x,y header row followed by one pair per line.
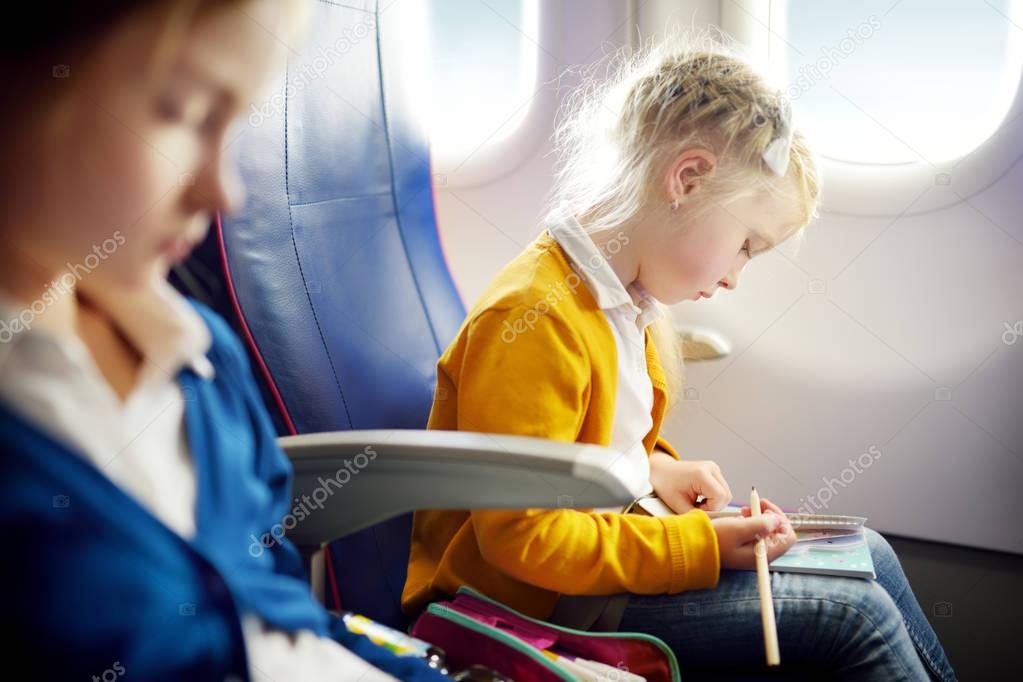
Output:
x,y
474,629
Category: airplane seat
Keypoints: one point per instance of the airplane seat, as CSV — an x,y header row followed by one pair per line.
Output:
x,y
334,276
333,271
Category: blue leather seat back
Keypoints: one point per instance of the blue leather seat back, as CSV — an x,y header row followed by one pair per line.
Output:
x,y
335,261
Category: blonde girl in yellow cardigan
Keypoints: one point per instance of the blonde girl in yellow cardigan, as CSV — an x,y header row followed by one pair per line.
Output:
x,y
673,176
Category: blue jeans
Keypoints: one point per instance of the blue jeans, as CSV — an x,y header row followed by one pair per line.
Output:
x,y
852,628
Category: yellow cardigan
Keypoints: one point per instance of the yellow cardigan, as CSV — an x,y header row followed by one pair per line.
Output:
x,y
536,357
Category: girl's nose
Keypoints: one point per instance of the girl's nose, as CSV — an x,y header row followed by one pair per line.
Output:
x,y
731,279
218,187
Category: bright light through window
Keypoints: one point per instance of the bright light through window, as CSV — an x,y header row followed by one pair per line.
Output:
x,y
883,81
483,72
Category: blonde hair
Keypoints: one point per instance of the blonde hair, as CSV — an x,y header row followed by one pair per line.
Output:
x,y
618,134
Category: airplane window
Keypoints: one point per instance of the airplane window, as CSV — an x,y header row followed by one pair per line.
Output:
x,y
889,81
483,69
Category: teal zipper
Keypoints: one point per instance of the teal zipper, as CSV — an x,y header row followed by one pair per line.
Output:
x,y
501,636
676,675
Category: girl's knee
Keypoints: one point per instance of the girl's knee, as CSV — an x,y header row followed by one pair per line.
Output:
x,y
837,599
864,610
836,620
870,629
876,541
875,602
881,552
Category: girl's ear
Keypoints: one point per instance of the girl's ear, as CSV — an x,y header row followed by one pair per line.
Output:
x,y
688,172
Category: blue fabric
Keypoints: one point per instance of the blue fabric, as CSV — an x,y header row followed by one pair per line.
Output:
x,y
335,258
827,626
96,583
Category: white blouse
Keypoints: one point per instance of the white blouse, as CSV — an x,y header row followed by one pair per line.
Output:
x,y
628,312
141,443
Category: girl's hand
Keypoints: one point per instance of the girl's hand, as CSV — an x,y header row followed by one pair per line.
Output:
x,y
678,484
737,537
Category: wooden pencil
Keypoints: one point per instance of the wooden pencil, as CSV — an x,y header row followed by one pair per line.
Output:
x,y
764,586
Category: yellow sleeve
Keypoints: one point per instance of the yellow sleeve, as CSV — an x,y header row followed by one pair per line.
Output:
x,y
666,447
536,383
523,373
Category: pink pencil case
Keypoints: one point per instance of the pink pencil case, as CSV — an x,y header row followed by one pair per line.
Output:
x,y
474,629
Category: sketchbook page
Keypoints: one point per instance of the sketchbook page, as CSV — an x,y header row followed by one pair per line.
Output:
x,y
821,521
655,507
825,544
812,535
730,510
806,521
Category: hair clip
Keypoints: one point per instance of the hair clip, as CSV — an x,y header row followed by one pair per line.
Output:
x,y
776,156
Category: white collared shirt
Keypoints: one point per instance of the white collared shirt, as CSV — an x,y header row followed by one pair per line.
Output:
x,y
141,444
628,315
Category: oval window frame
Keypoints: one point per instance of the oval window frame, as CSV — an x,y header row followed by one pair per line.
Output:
x,y
499,158
886,189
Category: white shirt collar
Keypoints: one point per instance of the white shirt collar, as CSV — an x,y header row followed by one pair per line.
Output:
x,y
157,320
600,277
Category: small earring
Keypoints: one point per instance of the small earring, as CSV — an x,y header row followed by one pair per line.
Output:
x,y
674,204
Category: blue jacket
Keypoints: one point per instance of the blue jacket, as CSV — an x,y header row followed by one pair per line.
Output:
x,y
95,583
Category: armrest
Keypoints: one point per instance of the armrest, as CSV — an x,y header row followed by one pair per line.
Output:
x,y
349,480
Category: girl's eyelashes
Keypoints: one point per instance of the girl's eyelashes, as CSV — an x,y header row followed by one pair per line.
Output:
x,y
188,110
747,247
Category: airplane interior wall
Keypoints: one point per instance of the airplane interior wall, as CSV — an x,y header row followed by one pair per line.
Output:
x,y
868,371
874,367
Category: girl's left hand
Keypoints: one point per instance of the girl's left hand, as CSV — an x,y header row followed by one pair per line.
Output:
x,y
678,483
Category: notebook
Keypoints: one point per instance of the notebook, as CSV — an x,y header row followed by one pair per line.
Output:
x,y
827,544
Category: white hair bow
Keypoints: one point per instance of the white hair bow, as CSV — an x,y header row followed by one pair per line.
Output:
x,y
776,156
